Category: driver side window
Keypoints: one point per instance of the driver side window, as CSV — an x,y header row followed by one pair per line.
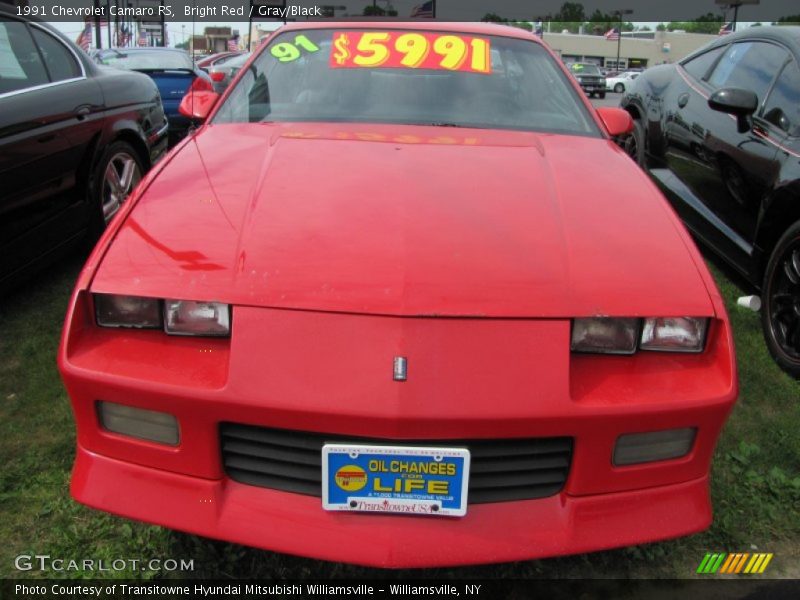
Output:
x,y
782,107
748,65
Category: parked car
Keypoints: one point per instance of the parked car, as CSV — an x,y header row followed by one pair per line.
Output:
x,y
590,79
174,74
366,271
205,63
74,140
620,82
222,74
720,133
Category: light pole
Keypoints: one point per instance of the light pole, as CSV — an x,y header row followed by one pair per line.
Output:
x,y
619,13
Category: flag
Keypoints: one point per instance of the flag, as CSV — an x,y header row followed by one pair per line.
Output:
x,y
142,36
612,34
726,28
233,43
423,11
85,37
123,36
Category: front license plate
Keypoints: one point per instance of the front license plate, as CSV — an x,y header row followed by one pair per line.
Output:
x,y
396,479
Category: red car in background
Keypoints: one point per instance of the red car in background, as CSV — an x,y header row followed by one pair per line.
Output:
x,y
212,60
378,309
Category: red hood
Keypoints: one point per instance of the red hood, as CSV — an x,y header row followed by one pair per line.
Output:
x,y
406,221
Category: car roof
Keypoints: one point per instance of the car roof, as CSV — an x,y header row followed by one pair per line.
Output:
x,y
788,35
145,49
460,27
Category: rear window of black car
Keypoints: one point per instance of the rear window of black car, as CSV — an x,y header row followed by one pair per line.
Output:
x,y
20,64
60,62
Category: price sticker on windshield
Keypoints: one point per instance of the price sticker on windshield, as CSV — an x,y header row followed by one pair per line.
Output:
x,y
410,50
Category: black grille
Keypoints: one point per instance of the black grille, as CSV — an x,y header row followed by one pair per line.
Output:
x,y
291,461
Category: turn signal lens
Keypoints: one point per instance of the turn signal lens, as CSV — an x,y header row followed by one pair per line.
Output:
x,y
635,448
139,423
605,335
127,311
187,317
674,334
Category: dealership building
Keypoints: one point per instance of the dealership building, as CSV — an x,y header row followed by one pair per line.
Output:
x,y
637,49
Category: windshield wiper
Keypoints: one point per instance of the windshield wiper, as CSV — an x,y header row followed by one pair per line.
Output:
x,y
442,124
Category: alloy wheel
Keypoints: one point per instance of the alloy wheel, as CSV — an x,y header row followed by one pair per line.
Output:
x,y
784,302
120,177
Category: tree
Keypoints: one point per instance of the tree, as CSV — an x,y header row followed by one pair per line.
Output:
x,y
661,27
707,23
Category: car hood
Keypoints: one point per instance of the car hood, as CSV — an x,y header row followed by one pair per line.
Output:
x,y
406,220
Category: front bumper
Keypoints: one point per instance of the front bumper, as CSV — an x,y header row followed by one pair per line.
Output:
x,y
500,379
295,524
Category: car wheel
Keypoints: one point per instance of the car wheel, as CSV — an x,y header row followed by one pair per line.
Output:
x,y
619,88
602,95
780,316
634,143
113,179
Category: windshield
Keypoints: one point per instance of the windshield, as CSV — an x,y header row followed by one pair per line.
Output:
x,y
145,59
408,77
582,69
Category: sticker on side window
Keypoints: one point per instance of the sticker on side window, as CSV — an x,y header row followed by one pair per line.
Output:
x,y
410,50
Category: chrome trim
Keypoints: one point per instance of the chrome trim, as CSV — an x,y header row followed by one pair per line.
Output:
x,y
40,87
52,83
159,134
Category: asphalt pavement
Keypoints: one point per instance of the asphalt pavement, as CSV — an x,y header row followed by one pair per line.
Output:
x,y
611,99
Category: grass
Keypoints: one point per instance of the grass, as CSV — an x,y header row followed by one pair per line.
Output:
x,y
755,478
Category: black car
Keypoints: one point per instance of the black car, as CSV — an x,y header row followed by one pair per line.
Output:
x,y
75,138
590,78
720,133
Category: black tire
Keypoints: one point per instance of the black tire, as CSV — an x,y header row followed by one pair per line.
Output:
x,y
602,95
619,88
591,94
105,196
635,143
780,312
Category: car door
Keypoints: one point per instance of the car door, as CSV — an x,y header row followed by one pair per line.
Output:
x,y
726,171
48,111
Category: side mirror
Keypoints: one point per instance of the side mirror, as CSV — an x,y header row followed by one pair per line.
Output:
x,y
735,101
616,120
197,105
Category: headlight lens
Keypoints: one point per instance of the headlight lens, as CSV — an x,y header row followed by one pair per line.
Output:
x,y
616,335
187,317
605,335
674,334
127,311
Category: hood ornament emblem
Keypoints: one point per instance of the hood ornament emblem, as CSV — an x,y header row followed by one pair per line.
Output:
x,y
400,368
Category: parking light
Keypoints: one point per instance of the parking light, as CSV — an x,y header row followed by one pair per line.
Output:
x,y
636,448
144,424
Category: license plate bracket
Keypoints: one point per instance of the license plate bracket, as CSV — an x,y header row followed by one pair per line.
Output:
x,y
412,480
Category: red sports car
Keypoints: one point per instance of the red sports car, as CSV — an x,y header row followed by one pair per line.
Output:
x,y
379,309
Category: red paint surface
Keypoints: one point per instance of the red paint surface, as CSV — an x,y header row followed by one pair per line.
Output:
x,y
372,230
